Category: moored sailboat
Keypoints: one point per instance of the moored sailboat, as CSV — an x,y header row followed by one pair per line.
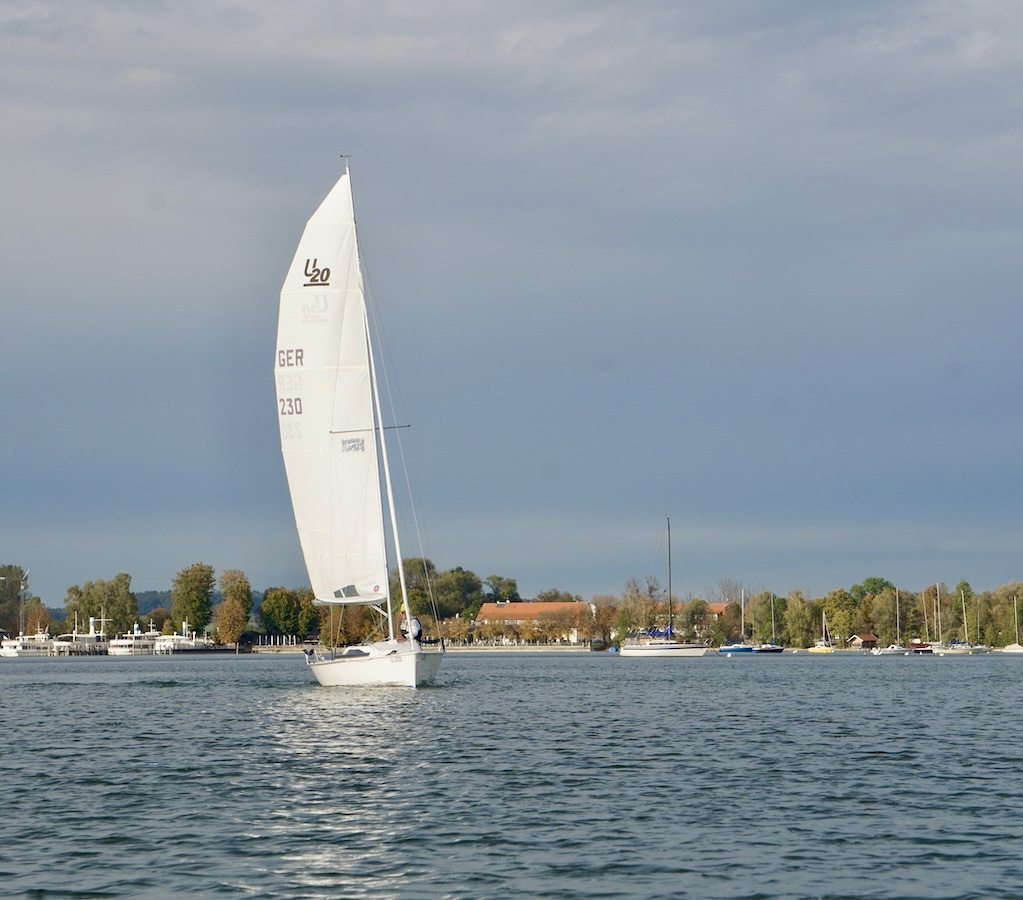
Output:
x,y
1017,647
963,647
742,645
332,439
824,644
663,643
898,648
771,646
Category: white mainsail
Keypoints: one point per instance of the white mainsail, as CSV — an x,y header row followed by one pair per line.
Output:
x,y
326,412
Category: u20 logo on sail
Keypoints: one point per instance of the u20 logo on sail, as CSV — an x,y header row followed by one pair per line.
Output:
x,y
317,277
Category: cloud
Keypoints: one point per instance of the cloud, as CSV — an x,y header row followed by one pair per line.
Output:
x,y
759,263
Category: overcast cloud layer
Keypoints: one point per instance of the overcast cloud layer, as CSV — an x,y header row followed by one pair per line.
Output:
x,y
756,266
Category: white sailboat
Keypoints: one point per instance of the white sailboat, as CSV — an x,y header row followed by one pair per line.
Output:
x,y
898,648
1017,647
332,438
663,643
771,646
742,645
963,647
824,644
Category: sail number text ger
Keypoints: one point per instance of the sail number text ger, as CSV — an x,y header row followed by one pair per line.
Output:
x,y
287,358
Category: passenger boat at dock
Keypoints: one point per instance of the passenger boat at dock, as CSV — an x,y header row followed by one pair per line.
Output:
x,y
92,643
38,644
135,642
186,642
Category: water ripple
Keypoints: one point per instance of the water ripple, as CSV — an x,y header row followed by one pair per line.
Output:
x,y
542,776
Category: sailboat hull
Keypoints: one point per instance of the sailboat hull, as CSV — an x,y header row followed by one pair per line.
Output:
x,y
663,648
384,664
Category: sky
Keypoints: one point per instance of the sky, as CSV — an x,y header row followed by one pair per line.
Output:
x,y
754,266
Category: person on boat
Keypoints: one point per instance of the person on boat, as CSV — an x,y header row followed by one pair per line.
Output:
x,y
410,628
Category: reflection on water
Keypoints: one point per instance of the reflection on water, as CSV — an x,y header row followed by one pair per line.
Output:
x,y
518,775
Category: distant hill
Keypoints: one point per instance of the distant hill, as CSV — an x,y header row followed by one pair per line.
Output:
x,y
150,600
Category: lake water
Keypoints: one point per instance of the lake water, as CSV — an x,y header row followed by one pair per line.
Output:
x,y
518,775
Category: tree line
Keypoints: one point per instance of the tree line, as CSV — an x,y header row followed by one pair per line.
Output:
x,y
449,601
875,607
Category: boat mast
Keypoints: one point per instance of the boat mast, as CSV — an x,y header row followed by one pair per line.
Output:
x,y
22,590
390,493
670,629
387,475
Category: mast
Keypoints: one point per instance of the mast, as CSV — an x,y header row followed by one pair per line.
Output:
x,y
22,590
389,490
670,629
898,627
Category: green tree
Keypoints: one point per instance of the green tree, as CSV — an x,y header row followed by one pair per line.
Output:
x,y
691,619
553,595
13,579
458,591
110,603
122,608
280,611
419,574
841,610
802,621
886,623
308,612
230,620
502,590
870,587
191,596
235,586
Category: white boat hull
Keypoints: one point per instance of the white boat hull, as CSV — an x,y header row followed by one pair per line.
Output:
x,y
383,664
663,648
15,650
891,650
